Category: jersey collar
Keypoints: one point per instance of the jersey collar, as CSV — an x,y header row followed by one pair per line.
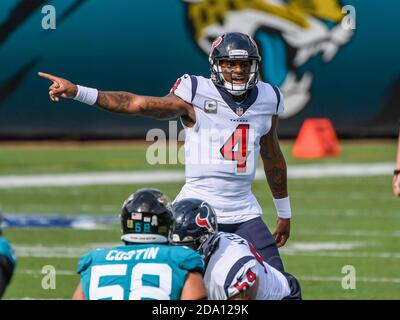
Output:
x,y
245,104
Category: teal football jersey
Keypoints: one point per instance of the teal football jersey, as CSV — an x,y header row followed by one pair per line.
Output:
x,y
137,272
5,249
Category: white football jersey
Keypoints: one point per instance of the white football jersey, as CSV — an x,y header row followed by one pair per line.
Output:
x,y
234,267
222,148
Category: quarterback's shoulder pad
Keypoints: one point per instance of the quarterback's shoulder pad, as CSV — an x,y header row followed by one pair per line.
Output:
x,y
273,98
188,259
278,99
185,87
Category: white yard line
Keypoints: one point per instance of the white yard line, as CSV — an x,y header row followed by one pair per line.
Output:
x,y
135,177
339,279
42,251
39,272
380,255
339,170
87,179
335,249
351,233
322,246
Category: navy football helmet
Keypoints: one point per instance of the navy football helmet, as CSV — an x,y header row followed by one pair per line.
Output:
x,y
194,221
234,46
146,217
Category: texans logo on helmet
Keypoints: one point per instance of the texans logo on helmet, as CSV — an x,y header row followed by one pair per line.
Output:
x,y
204,222
216,42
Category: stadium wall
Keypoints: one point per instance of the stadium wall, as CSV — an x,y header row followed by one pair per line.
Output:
x,y
325,70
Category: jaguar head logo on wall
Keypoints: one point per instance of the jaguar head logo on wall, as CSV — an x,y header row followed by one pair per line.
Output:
x,y
288,32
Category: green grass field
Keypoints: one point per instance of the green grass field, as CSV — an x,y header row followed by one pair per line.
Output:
x,y
336,221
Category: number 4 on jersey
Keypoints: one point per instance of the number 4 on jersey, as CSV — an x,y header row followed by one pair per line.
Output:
x,y
239,137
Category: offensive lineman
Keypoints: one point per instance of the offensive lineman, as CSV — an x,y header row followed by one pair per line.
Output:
x,y
229,120
234,270
146,267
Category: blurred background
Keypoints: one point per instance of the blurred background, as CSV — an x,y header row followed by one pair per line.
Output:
x,y
350,76
66,168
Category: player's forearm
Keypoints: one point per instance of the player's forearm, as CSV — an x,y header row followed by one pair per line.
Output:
x,y
276,173
168,107
119,102
129,103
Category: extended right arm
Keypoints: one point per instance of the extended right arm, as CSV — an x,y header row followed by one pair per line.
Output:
x,y
167,107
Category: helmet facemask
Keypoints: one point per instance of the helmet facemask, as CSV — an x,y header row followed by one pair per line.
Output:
x,y
195,244
236,89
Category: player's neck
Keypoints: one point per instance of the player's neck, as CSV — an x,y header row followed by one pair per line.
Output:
x,y
239,98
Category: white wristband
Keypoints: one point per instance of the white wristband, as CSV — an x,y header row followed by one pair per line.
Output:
x,y
87,95
283,208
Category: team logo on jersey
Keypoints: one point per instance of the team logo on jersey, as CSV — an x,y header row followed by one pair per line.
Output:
x,y
210,106
204,221
289,34
239,111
